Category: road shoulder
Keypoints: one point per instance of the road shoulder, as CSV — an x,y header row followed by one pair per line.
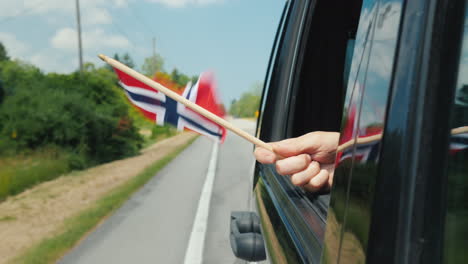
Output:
x,y
44,211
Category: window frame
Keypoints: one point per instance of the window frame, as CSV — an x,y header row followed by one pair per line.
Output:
x,y
303,218
407,216
287,199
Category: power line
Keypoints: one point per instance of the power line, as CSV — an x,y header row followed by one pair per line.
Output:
x,y
123,32
150,29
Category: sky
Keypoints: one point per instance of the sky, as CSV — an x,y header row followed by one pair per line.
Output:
x,y
233,38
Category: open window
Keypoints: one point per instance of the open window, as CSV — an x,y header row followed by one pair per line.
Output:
x,y
321,75
305,90
323,67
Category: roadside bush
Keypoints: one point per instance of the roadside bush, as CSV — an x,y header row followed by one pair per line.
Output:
x,y
83,114
249,102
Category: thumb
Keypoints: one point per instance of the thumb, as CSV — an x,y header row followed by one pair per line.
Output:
x,y
293,146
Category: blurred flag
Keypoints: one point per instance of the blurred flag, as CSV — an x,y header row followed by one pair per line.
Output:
x,y
458,142
164,110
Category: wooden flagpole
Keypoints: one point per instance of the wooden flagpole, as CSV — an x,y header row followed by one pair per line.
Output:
x,y
218,120
200,110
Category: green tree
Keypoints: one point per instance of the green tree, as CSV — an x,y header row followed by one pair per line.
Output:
x,y
3,53
248,103
2,92
257,88
17,75
127,60
116,57
85,114
180,78
152,65
89,66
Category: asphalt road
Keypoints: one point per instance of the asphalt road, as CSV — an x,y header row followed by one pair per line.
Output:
x,y
155,225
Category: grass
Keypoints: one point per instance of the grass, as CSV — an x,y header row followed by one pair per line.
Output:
x,y
7,218
23,171
158,133
51,249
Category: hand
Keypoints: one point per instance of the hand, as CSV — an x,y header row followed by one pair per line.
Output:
x,y
309,159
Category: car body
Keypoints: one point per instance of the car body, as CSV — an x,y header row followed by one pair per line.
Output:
x,y
391,76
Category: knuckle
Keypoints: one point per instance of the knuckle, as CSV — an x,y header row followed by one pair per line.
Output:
x,y
315,166
279,168
296,180
315,184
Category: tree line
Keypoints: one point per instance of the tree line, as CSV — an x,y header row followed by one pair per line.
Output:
x,y
248,103
84,114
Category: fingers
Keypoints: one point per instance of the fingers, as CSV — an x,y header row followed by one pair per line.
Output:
x,y
293,164
331,172
302,177
320,145
314,178
304,171
264,156
318,181
309,159
293,146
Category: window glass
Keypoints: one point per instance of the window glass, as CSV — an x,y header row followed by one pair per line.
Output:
x,y
314,97
359,63
317,96
349,217
456,222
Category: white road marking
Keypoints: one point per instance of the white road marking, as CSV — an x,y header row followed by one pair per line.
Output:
x,y
194,252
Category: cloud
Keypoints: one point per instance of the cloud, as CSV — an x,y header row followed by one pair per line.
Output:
x,y
96,16
121,3
14,47
184,3
51,61
93,11
66,39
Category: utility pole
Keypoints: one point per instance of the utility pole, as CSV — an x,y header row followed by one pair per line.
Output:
x,y
80,51
154,47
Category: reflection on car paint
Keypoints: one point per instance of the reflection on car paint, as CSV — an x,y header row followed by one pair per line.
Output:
x,y
271,229
294,215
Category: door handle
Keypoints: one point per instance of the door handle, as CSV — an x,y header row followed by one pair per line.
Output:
x,y
246,240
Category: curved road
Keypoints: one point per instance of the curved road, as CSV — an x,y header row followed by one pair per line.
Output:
x,y
155,224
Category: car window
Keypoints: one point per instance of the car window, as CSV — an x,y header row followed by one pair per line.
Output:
x,y
318,89
310,84
319,82
306,233
456,221
349,215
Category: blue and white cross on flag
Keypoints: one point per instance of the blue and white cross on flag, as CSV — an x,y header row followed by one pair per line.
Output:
x,y
164,110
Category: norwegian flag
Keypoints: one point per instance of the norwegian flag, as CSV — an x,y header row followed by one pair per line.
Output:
x,y
362,153
458,142
164,110
370,151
